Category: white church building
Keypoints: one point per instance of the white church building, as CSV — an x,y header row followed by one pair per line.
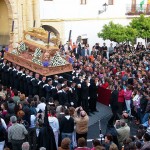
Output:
x,y
86,18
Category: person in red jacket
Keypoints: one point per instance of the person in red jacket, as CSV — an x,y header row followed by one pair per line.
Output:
x,y
120,99
128,96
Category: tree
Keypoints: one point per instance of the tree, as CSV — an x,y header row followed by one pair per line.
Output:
x,y
116,32
112,32
131,34
142,25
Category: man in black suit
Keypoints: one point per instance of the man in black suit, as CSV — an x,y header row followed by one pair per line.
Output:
x,y
114,102
20,77
56,91
104,49
77,51
63,95
15,77
35,85
48,89
6,74
72,94
85,95
11,75
93,91
29,83
25,85
42,92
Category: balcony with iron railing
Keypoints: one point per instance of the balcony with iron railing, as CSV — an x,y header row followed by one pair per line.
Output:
x,y
137,9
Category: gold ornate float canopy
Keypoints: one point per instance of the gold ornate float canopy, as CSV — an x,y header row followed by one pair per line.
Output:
x,y
38,54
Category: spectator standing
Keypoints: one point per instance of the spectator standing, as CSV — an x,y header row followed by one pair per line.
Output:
x,y
123,131
16,134
67,126
42,104
127,96
81,121
120,99
53,122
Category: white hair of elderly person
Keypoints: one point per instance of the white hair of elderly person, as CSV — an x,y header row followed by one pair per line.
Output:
x,y
42,148
25,146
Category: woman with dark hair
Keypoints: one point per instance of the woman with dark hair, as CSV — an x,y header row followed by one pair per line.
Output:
x,y
128,96
46,136
95,143
4,108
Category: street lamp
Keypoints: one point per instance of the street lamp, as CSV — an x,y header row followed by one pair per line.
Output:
x,y
104,8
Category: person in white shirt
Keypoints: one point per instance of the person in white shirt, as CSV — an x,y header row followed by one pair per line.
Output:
x,y
53,122
42,104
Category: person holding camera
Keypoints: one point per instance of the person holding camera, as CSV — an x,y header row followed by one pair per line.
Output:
x,y
81,119
123,131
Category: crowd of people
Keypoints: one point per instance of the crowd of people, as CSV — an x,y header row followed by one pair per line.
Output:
x,y
39,112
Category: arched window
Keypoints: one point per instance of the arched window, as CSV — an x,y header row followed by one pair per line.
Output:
x,y
83,2
110,2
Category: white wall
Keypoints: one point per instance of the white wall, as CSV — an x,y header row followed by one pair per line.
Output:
x,y
70,11
64,9
89,29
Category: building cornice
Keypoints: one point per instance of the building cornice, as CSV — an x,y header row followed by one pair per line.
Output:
x,y
90,19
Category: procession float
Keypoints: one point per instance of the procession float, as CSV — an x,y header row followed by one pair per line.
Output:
x,y
39,52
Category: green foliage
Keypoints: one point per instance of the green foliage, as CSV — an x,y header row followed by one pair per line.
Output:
x,y
131,34
114,32
139,27
142,25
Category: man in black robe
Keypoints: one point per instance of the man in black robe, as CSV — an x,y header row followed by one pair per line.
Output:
x,y
15,77
42,92
24,77
48,89
93,91
72,94
114,102
35,85
29,83
63,95
85,95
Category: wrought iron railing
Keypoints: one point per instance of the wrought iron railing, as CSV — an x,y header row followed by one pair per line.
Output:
x,y
138,9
